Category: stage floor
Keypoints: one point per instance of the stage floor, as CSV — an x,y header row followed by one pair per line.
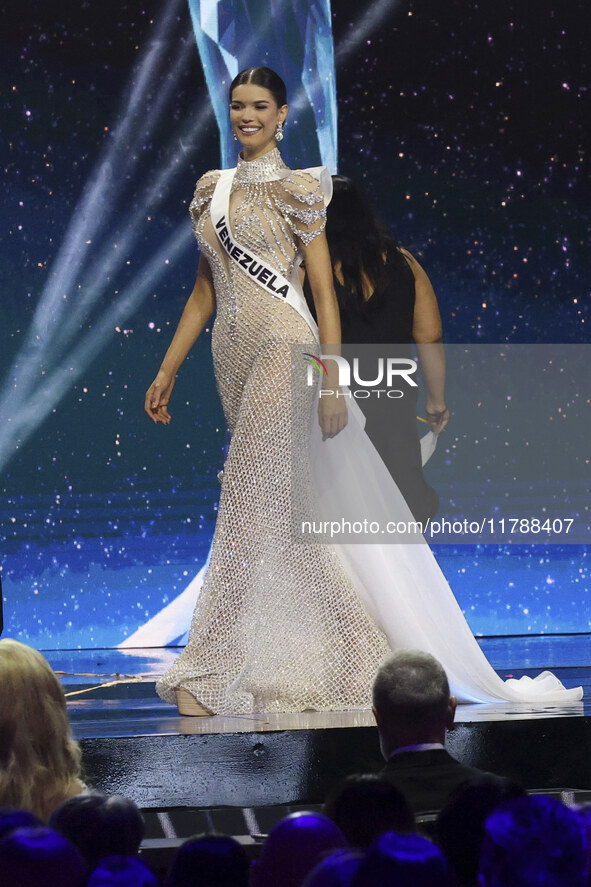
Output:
x,y
111,692
137,745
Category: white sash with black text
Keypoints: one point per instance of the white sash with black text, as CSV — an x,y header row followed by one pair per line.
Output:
x,y
265,275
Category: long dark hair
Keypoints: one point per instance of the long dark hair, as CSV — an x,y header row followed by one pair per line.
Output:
x,y
265,77
358,241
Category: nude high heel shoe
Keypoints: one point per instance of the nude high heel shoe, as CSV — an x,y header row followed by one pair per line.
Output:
x,y
188,705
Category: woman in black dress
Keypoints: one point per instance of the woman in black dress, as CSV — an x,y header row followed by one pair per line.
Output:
x,y
386,298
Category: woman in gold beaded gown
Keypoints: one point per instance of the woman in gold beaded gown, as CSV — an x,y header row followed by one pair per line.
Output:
x,y
280,625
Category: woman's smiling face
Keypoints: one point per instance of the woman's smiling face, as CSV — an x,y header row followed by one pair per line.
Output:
x,y
254,116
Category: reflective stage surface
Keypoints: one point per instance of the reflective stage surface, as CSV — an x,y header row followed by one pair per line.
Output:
x,y
139,746
111,692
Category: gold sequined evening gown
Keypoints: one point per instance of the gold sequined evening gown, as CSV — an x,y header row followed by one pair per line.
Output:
x,y
278,625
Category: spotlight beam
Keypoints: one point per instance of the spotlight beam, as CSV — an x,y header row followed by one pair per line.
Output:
x,y
113,164
55,385
85,220
113,255
363,27
43,348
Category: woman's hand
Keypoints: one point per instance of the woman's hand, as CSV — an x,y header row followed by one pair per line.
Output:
x,y
437,416
332,415
199,308
157,397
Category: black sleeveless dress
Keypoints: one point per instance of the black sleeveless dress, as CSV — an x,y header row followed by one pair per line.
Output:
x,y
386,318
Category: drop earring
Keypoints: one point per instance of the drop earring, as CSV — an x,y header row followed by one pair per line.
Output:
x,y
235,136
279,132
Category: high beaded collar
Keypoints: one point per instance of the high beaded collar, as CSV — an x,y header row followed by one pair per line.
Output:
x,y
264,169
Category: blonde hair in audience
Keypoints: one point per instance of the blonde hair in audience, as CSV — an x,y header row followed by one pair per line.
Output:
x,y
39,759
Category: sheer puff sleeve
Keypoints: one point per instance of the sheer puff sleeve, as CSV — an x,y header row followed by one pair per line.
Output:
x,y
203,193
303,202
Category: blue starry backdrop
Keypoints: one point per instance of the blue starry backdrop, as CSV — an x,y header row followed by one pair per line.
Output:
x,y
464,121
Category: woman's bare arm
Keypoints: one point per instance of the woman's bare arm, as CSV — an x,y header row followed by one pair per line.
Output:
x,y
198,309
332,410
427,331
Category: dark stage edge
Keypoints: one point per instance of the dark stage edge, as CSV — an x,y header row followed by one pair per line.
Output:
x,y
136,745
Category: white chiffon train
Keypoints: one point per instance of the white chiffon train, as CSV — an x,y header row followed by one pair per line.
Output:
x,y
401,584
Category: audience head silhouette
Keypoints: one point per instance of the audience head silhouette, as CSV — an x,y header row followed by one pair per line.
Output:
x,y
209,861
31,857
460,826
367,805
100,825
584,813
122,871
403,861
336,870
533,841
11,819
294,846
411,700
39,760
